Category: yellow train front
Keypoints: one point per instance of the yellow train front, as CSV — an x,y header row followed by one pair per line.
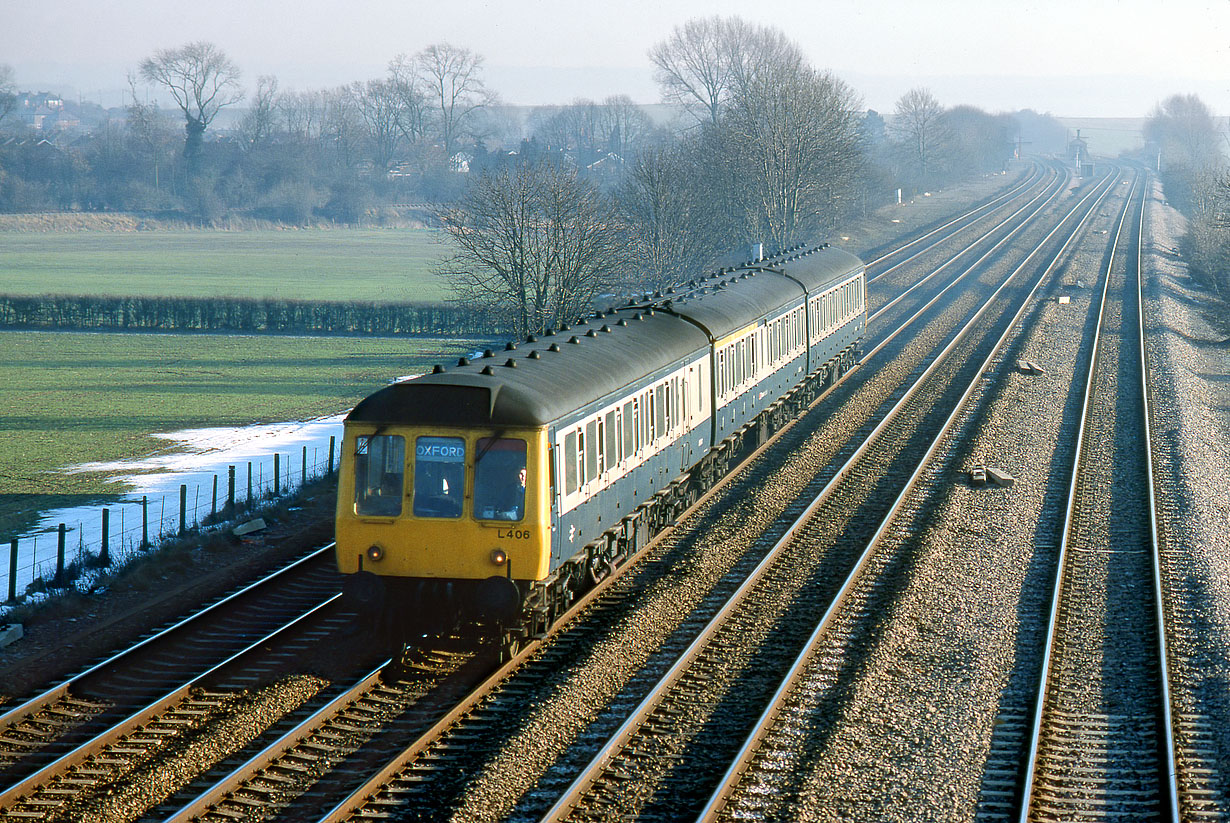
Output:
x,y
436,522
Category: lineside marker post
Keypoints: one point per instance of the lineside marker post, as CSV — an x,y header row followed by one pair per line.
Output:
x,y
58,582
277,474
13,571
303,474
249,484
183,508
104,552
332,438
230,491
144,523
213,506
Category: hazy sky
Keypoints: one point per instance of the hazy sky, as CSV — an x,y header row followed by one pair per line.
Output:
x,y
1069,57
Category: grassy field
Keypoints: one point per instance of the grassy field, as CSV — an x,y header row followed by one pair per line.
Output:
x,y
389,265
68,398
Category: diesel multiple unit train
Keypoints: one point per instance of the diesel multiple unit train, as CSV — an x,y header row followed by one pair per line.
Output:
x,y
492,493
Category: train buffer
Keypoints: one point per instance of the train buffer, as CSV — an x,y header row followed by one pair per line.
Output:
x,y
1029,367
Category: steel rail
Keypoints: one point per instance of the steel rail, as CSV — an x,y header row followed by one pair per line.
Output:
x,y
1048,661
240,775
1168,724
133,721
58,692
621,737
1035,176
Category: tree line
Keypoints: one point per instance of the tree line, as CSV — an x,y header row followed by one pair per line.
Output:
x,y
1189,153
244,315
546,215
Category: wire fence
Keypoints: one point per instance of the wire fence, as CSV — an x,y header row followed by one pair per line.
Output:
x,y
60,558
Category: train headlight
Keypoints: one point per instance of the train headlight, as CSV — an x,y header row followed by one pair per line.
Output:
x,y
375,553
498,557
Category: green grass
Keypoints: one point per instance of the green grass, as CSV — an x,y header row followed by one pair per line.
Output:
x,y
70,398
389,265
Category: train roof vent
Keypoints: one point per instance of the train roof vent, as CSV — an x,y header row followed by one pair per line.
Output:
x,y
510,346
487,370
591,333
553,347
623,321
437,369
534,355
488,353
574,339
531,338
510,363
463,361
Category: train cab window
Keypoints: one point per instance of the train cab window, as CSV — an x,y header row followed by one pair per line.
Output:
x,y
499,479
380,475
439,476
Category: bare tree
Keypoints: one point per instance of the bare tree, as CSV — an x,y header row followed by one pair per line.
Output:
x,y
531,244
259,123
378,104
452,80
1182,128
920,133
792,142
668,218
978,142
624,124
342,131
694,65
302,114
202,80
413,110
8,92
150,130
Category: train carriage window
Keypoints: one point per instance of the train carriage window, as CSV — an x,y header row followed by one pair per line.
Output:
x,y
629,439
603,454
570,463
591,450
651,410
499,479
380,475
636,425
620,448
612,448
439,476
659,412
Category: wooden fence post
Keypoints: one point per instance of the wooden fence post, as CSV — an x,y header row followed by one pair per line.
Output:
x,y
104,552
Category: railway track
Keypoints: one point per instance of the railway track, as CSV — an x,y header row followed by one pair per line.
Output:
x,y
773,771
166,685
